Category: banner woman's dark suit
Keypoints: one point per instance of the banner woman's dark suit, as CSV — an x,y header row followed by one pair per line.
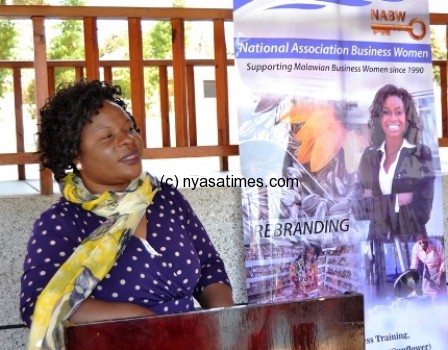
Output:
x,y
414,173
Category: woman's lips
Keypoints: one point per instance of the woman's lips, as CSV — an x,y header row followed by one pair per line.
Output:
x,y
131,157
393,127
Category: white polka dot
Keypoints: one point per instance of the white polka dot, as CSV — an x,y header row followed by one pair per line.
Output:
x,y
122,282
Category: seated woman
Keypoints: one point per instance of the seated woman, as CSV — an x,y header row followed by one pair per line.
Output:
x,y
118,243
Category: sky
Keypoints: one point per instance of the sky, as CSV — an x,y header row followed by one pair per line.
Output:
x,y
436,6
158,3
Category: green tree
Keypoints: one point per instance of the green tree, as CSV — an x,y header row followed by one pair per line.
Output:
x,y
157,44
116,48
437,53
68,45
8,42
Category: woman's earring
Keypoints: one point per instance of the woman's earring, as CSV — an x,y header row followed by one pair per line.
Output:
x,y
79,166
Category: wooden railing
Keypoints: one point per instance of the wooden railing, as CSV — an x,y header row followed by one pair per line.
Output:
x,y
183,76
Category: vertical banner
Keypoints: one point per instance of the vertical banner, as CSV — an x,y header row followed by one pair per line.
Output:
x,y
339,148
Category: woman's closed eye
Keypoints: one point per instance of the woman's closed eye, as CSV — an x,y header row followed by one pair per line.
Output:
x,y
106,136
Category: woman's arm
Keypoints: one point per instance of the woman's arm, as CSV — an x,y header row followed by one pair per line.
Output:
x,y
93,310
216,295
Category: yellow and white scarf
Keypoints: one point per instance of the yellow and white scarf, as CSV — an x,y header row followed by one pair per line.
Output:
x,y
93,258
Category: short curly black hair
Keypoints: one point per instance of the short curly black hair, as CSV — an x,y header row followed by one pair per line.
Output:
x,y
63,118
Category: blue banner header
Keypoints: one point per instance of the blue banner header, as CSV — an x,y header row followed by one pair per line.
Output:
x,y
265,48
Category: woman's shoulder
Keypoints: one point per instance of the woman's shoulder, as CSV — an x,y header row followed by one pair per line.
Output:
x,y
421,151
60,206
62,211
169,194
424,149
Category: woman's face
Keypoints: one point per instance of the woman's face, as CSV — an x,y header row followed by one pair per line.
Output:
x,y
309,254
393,117
110,151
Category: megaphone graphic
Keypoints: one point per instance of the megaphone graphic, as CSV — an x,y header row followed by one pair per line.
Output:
x,y
407,283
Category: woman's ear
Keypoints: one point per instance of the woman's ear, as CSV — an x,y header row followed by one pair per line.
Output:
x,y
78,164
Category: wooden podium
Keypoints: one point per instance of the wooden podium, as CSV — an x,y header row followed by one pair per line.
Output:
x,y
335,323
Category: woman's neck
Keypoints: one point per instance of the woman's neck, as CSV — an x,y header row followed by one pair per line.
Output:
x,y
392,146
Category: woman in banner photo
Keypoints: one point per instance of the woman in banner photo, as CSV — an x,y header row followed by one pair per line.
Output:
x,y
118,243
304,272
396,178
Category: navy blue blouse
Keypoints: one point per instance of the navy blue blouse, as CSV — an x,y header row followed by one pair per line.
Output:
x,y
165,284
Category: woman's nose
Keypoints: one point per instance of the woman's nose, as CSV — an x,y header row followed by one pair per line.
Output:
x,y
126,138
393,116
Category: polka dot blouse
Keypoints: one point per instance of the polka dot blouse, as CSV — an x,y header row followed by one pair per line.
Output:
x,y
165,284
